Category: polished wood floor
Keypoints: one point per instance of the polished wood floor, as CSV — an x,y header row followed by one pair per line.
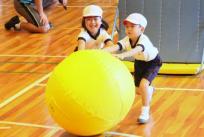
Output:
x,y
26,61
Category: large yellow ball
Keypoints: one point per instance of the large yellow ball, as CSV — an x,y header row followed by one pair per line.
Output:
x,y
90,92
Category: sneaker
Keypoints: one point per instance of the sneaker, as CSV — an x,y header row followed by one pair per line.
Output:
x,y
12,22
144,116
51,25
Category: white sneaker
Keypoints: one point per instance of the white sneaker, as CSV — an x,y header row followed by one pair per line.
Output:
x,y
144,116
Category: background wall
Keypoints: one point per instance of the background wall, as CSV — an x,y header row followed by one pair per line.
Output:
x,y
176,27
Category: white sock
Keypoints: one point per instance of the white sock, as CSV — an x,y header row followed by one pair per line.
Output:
x,y
145,109
144,113
17,26
151,89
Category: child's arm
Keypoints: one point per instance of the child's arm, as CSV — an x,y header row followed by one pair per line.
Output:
x,y
112,48
109,43
81,44
129,53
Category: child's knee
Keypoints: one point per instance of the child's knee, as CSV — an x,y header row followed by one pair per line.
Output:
x,y
138,91
44,29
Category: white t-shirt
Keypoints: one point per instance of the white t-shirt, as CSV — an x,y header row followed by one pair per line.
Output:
x,y
149,51
96,42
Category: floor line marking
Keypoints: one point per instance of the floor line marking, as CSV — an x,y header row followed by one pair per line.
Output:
x,y
5,128
119,134
29,125
59,128
36,56
77,6
179,89
23,72
51,133
21,92
58,6
41,85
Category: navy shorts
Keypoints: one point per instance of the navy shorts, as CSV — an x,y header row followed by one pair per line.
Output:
x,y
147,70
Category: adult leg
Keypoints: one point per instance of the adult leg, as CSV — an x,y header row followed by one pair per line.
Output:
x,y
32,16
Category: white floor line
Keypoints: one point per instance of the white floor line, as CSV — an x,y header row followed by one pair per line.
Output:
x,y
58,128
29,125
41,85
26,89
180,89
5,128
77,6
119,134
176,89
35,56
59,6
51,133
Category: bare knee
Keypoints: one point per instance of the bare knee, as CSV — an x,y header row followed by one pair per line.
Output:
x,y
43,29
144,84
138,91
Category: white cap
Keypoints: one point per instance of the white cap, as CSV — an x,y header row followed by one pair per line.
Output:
x,y
136,18
92,10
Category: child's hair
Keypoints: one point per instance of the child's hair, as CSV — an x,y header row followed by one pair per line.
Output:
x,y
104,24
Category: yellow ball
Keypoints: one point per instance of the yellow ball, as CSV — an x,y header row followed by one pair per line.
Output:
x,y
90,92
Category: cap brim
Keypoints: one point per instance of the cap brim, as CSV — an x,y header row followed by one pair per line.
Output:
x,y
126,21
92,16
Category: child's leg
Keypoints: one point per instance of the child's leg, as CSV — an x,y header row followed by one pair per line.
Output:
x,y
146,93
144,86
137,90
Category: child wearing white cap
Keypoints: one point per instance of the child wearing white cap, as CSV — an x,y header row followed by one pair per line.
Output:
x,y
94,34
147,60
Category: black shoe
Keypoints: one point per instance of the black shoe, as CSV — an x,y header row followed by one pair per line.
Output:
x,y
12,22
51,25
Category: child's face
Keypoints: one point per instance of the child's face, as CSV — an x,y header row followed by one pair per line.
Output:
x,y
133,30
93,24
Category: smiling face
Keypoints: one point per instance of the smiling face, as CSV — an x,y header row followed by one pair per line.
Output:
x,y
133,31
93,24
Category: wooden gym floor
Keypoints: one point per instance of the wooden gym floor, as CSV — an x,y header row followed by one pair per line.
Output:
x,y
26,61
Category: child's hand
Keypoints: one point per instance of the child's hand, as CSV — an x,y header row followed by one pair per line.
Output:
x,y
120,56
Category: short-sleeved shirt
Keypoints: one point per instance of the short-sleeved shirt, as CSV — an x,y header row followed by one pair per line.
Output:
x,y
96,42
149,51
147,62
